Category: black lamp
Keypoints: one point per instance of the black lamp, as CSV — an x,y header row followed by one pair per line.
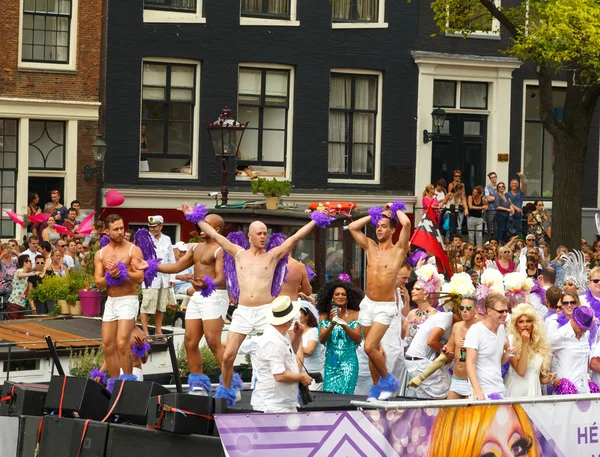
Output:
x,y
439,117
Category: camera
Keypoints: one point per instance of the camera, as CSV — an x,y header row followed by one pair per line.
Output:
x,y
213,194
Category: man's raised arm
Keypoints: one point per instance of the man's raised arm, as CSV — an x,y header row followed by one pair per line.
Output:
x,y
229,247
404,237
186,261
355,229
287,246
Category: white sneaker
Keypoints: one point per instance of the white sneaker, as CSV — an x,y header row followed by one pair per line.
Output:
x,y
238,395
385,395
201,391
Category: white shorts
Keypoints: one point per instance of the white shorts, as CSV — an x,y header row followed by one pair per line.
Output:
x,y
250,319
376,311
436,386
156,300
121,308
137,372
208,308
461,386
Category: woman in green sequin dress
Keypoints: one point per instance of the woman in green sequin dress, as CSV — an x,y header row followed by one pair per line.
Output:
x,y
340,333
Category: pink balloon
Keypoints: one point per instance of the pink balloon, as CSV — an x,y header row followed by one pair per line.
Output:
x,y
114,198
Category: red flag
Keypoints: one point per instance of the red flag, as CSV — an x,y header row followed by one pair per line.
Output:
x,y
62,230
85,228
15,217
36,218
427,236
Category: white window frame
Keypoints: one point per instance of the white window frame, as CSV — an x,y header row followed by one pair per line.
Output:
x,y
493,34
71,66
196,128
290,120
255,21
378,124
380,24
157,16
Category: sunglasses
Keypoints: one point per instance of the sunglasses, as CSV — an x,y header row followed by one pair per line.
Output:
x,y
457,176
595,281
469,249
501,311
40,263
569,303
468,308
530,239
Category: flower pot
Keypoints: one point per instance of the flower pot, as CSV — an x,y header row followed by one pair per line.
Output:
x,y
76,308
272,202
44,307
90,302
65,309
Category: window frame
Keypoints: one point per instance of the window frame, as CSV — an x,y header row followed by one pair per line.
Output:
x,y
177,15
167,6
458,96
64,144
71,64
266,15
15,172
493,34
270,21
349,177
354,23
195,124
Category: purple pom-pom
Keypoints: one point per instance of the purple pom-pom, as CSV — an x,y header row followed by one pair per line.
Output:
x,y
124,276
151,272
309,271
145,242
594,388
104,241
416,256
376,214
198,214
140,351
565,387
321,219
97,373
495,396
211,286
398,205
229,264
345,277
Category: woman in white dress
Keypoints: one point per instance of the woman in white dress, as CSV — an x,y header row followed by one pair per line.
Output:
x,y
530,367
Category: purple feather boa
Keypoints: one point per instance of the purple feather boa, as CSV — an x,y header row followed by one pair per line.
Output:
x,y
124,276
151,271
145,242
275,240
398,205
198,214
539,291
309,271
345,277
565,387
376,214
104,241
593,302
97,373
594,388
211,286
229,264
562,319
495,396
140,351
321,219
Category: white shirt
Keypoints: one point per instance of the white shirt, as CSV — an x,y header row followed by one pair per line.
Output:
x,y
69,262
551,324
536,302
571,356
490,347
314,363
595,353
440,195
274,355
419,347
31,255
164,251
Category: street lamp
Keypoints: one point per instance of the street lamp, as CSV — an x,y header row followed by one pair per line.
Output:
x,y
225,137
98,151
439,117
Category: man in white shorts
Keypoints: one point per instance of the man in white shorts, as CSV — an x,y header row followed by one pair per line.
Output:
x,y
204,315
379,308
254,269
122,305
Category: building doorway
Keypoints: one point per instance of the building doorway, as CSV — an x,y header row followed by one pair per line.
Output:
x,y
43,186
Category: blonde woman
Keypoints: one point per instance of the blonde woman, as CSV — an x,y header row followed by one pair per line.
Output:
x,y
530,367
429,199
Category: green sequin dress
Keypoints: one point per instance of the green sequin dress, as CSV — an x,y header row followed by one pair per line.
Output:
x,y
341,362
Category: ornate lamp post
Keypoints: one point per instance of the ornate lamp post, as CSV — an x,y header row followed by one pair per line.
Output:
x,y
98,151
439,117
225,137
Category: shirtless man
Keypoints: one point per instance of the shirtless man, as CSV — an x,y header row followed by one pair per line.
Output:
x,y
122,304
254,268
378,308
204,315
460,387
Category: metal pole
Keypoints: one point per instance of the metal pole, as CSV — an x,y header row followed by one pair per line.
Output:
x,y
8,362
99,183
174,364
224,181
54,355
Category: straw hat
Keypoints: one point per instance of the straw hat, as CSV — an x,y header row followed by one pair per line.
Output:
x,y
284,310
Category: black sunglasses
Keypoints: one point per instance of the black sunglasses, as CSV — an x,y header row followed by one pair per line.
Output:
x,y
595,281
501,311
40,263
569,303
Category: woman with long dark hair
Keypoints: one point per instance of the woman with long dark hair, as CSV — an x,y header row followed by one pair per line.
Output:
x,y
340,332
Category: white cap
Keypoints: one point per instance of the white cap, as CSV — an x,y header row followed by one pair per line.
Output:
x,y
181,246
155,220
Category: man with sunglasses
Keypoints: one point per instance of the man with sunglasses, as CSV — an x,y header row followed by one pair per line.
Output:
x,y
487,350
592,296
460,387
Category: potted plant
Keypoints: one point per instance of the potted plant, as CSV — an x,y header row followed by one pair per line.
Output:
x,y
210,367
37,296
55,289
272,189
84,362
76,282
89,295
172,309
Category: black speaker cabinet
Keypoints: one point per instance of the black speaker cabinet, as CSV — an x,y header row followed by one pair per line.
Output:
x,y
23,399
28,431
83,398
132,406
133,441
177,422
61,437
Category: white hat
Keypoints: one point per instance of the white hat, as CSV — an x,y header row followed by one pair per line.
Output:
x,y
308,306
181,246
155,220
284,310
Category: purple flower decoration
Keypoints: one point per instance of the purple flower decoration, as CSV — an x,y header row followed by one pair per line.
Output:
x,y
565,387
594,388
211,286
398,205
345,277
309,271
140,351
229,264
275,240
198,214
151,272
145,242
104,241
376,214
495,396
124,276
321,219
96,372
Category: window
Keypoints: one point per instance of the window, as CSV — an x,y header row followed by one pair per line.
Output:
x,y
173,5
46,29
538,143
353,126
46,145
477,18
168,118
273,9
8,174
173,11
472,95
263,102
355,10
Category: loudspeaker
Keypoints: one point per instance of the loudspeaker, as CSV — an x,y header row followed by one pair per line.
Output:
x,y
132,406
178,422
28,432
129,440
61,437
83,398
23,399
